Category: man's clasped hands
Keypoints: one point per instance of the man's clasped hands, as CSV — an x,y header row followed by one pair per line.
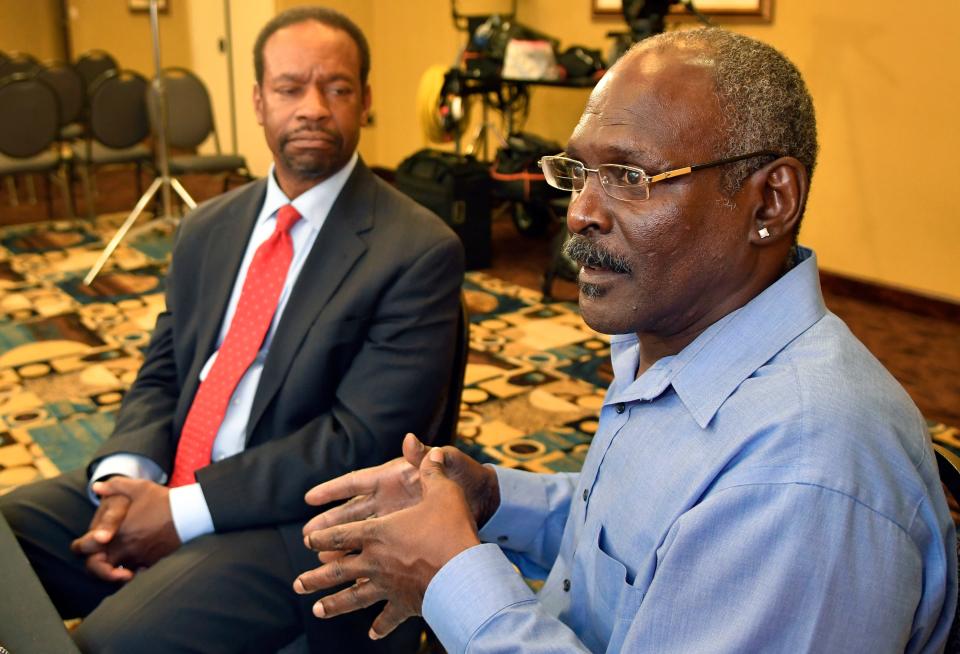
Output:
x,y
401,523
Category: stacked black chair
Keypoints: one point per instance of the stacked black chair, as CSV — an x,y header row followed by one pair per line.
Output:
x,y
189,124
30,131
18,62
948,464
118,125
68,84
92,65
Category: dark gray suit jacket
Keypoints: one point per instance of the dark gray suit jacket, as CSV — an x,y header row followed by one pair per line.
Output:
x,y
361,355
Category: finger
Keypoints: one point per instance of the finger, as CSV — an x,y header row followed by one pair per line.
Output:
x,y
341,537
336,573
98,565
86,545
108,517
356,509
332,555
413,450
355,482
389,619
358,596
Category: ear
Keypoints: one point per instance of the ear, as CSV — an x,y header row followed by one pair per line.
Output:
x,y
258,103
782,186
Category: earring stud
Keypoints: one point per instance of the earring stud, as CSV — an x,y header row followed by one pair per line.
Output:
x,y
764,232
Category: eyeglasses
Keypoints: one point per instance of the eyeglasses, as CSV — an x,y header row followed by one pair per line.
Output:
x,y
621,182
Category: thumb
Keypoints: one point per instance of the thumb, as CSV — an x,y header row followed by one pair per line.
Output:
x,y
117,485
432,468
413,450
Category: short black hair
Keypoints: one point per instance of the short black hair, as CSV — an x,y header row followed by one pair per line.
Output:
x,y
329,17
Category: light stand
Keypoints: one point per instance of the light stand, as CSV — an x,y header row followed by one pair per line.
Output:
x,y
164,182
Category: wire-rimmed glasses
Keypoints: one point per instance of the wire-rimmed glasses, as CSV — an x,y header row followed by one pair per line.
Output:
x,y
619,181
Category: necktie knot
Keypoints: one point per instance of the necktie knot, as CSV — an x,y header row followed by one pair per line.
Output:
x,y
286,217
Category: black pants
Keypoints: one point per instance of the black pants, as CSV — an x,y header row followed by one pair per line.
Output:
x,y
228,592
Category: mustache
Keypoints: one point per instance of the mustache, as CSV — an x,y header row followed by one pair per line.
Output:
x,y
312,130
593,255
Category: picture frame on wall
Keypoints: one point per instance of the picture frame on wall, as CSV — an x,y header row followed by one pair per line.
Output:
x,y
144,5
759,10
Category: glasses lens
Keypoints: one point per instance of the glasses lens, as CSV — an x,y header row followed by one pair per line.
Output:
x,y
624,182
562,173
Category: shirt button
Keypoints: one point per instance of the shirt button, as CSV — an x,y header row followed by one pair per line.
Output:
x,y
621,407
585,494
566,585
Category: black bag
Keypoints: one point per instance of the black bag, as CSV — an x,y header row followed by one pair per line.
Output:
x,y
580,62
517,178
456,188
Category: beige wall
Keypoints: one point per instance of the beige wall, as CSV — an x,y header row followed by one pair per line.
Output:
x,y
31,26
886,91
109,25
886,87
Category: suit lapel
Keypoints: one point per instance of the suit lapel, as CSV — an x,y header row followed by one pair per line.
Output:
x,y
338,247
221,262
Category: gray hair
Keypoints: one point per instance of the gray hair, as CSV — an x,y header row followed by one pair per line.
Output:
x,y
764,103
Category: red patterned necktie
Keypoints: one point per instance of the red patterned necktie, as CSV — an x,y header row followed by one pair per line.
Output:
x,y
251,320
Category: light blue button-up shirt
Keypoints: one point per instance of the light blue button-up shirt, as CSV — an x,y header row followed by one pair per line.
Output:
x,y
771,488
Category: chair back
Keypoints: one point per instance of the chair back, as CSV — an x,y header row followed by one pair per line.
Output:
x,y
948,465
68,84
29,116
91,65
446,423
118,109
18,62
189,111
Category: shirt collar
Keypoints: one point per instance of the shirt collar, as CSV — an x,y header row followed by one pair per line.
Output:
x,y
706,372
313,205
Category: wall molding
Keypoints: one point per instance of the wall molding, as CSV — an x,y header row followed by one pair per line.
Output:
x,y
890,296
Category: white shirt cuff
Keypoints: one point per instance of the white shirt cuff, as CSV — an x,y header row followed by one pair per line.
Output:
x,y
125,465
191,515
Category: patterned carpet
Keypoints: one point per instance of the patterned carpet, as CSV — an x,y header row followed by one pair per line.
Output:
x,y
534,381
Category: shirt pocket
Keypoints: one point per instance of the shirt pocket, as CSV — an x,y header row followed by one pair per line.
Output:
x,y
615,601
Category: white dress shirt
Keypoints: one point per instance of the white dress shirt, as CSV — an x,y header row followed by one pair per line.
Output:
x,y
191,516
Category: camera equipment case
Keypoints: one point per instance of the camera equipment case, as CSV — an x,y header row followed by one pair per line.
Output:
x,y
456,188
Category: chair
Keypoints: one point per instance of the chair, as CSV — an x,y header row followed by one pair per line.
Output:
x,y
189,124
92,65
18,62
446,425
948,465
29,130
66,81
118,124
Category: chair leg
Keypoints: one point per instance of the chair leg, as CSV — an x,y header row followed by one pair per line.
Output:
x,y
31,190
49,189
12,190
65,188
88,191
139,180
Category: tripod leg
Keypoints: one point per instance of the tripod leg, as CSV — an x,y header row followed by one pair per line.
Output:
x,y
182,192
124,228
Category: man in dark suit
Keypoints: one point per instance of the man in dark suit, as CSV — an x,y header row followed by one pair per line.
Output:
x,y
310,322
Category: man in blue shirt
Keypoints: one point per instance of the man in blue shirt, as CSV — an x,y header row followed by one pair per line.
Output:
x,y
758,481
